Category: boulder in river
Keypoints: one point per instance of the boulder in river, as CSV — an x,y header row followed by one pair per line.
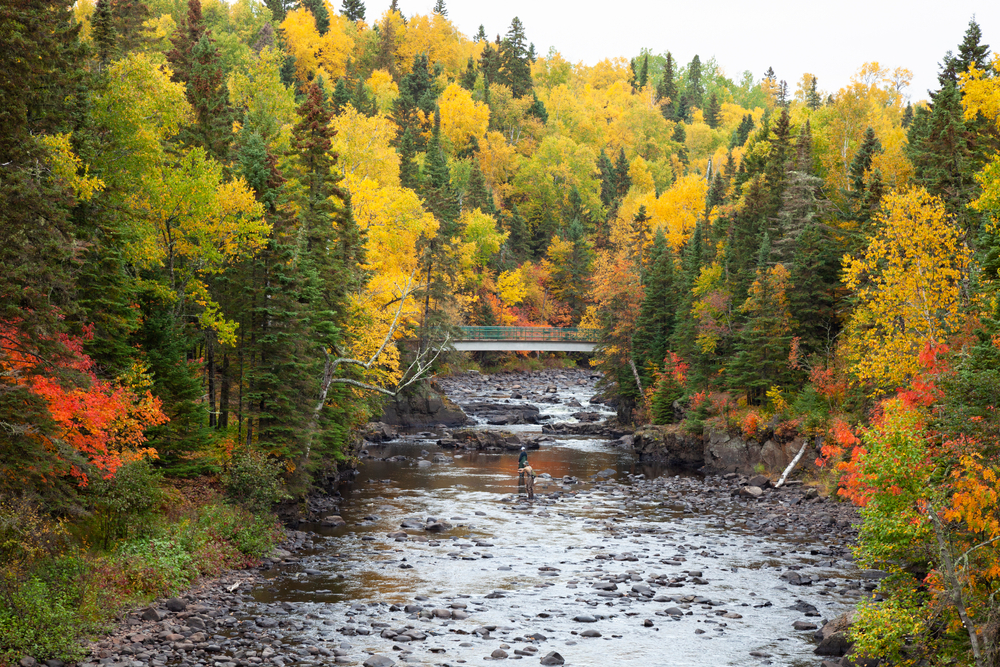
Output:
x,y
426,406
553,658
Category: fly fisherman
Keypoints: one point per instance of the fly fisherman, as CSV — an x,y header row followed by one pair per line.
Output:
x,y
526,473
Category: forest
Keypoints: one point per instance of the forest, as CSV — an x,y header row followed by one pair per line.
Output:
x,y
220,221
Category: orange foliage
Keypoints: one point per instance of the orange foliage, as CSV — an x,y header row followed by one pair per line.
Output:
x,y
105,421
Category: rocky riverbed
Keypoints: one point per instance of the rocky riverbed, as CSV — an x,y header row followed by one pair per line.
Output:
x,y
433,556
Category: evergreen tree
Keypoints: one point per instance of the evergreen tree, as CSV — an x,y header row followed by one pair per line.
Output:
x,y
439,8
622,179
478,194
515,65
814,284
519,237
320,13
209,98
642,78
129,18
409,174
469,76
666,89
185,38
693,89
813,99
104,34
489,63
742,132
416,92
655,325
537,109
353,9
570,274
712,111
341,97
865,189
480,34
606,169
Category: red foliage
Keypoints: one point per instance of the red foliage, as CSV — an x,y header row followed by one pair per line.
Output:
x,y
923,390
105,421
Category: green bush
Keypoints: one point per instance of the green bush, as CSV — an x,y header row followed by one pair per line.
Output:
x,y
254,481
39,620
125,502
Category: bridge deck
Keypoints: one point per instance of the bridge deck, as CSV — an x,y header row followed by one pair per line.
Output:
x,y
526,339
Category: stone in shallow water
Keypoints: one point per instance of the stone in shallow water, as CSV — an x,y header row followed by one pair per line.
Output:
x,y
553,658
379,661
585,618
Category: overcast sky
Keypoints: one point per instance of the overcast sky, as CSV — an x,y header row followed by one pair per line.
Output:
x,y
829,39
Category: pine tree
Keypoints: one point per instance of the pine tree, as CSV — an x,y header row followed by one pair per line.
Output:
x,y
515,66
606,169
865,189
813,99
622,179
742,132
439,8
712,111
489,63
104,34
763,344
693,90
341,97
480,34
209,98
353,9
129,18
814,284
666,89
185,38
469,76
642,79
478,194
655,325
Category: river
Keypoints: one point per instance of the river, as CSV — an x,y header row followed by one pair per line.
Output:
x,y
613,560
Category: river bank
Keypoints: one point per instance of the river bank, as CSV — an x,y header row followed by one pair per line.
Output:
x,y
432,556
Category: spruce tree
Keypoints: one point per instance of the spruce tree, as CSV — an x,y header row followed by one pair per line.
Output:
x,y
440,9
129,18
666,89
469,76
515,65
712,111
103,32
655,324
606,169
693,90
642,79
622,179
813,99
353,9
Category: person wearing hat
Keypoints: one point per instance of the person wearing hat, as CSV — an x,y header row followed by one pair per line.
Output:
x,y
526,473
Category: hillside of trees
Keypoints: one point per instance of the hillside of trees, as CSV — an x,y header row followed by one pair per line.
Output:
x,y
218,219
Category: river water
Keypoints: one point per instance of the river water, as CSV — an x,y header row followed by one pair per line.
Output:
x,y
707,591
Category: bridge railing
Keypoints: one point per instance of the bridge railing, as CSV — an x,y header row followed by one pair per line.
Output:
x,y
533,334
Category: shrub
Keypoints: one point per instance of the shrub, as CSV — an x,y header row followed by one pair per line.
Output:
x,y
125,501
38,619
254,481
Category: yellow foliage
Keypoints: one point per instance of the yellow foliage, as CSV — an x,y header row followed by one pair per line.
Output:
x,y
383,90
908,284
82,11
641,177
66,165
981,91
874,99
437,37
462,118
498,160
363,145
511,287
677,210
268,106
314,54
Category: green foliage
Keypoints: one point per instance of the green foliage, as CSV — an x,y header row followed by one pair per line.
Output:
x,y
125,501
253,480
39,620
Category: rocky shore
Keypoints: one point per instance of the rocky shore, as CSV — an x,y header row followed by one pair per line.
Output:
x,y
648,566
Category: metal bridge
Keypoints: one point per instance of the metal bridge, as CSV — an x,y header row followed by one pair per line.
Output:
x,y
526,339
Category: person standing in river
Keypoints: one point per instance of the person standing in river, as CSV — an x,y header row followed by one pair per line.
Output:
x,y
526,474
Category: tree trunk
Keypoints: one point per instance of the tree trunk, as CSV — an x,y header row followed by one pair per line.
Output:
x,y
224,393
210,367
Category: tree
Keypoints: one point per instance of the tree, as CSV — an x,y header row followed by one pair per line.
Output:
x,y
320,14
353,9
515,64
763,344
439,8
569,263
712,110
655,324
908,283
666,89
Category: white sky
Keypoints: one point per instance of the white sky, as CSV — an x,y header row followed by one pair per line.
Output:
x,y
830,39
